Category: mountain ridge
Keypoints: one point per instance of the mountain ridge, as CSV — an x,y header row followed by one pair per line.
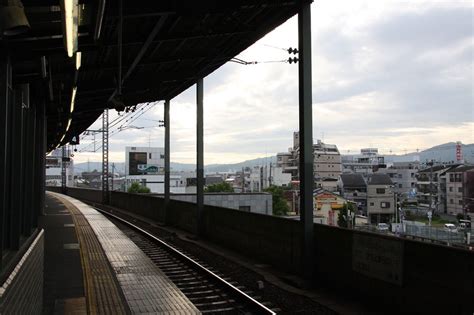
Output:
x,y
445,152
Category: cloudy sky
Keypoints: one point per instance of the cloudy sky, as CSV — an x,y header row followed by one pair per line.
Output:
x,y
397,75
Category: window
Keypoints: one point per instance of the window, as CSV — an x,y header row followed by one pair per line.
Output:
x,y
371,203
451,201
380,190
400,185
460,189
149,155
451,189
244,208
162,156
460,201
385,205
400,175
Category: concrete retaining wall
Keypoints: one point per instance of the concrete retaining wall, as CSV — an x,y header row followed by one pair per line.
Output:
x,y
22,292
92,195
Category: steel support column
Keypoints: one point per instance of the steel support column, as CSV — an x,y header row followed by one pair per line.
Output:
x,y
40,152
306,139
27,160
16,175
199,156
4,131
33,202
105,157
167,159
10,127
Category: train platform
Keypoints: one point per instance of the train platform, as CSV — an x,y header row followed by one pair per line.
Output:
x,y
91,267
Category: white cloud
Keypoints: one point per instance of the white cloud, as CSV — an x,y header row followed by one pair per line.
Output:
x,y
391,74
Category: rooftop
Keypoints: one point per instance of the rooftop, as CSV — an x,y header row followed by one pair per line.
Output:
x,y
353,180
379,179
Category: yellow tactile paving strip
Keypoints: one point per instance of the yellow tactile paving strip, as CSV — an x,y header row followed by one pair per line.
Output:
x,y
103,293
144,286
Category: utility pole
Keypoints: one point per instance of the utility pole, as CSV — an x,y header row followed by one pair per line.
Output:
x,y
113,175
105,156
270,175
243,180
431,185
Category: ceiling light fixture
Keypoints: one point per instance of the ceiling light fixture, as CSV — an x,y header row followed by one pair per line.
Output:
x,y
68,125
73,98
78,60
70,23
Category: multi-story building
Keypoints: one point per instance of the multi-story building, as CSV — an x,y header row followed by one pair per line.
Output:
x,y
403,176
327,160
144,160
54,163
459,194
365,163
431,188
380,199
327,163
354,188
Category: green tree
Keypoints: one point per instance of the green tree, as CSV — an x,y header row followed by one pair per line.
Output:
x,y
137,188
342,217
220,187
280,207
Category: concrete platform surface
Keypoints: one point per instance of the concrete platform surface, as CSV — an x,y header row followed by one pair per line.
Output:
x,y
118,277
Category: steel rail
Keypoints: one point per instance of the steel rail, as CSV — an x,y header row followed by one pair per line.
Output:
x,y
259,306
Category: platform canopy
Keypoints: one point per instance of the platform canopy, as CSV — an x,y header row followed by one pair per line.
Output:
x,y
166,47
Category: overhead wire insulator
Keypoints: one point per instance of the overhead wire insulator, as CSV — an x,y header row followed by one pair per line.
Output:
x,y
293,60
292,51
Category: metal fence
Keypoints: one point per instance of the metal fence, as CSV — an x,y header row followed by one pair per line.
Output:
x,y
426,233
436,233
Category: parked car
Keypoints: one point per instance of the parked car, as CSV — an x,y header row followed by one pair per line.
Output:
x,y
382,227
449,227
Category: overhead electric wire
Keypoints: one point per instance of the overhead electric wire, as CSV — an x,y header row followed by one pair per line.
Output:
x,y
121,127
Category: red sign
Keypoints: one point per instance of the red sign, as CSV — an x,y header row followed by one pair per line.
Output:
x,y
458,152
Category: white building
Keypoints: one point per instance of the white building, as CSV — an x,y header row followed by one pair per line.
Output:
x,y
54,167
249,202
144,160
365,163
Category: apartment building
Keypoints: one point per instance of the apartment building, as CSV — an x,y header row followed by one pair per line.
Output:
x,y
459,189
327,163
403,176
431,188
327,160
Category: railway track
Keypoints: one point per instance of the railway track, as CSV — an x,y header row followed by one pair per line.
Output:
x,y
209,291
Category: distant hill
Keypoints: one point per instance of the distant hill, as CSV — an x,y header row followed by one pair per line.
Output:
x,y
120,166
442,153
